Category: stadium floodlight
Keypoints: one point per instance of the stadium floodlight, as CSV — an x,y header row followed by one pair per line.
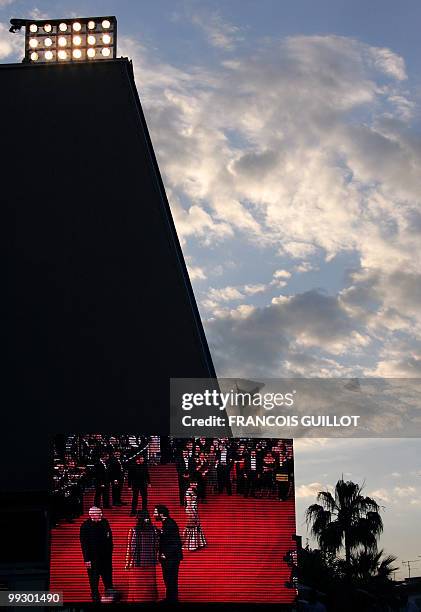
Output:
x,y
68,40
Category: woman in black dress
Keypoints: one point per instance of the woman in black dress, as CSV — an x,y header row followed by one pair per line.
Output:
x,y
142,559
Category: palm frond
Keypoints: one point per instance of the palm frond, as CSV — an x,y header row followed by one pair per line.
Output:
x,y
385,567
374,522
317,518
370,505
346,496
331,538
327,500
363,532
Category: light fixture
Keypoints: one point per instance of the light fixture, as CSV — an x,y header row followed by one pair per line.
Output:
x,y
80,39
17,24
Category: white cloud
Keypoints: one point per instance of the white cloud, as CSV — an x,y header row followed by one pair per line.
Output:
x,y
196,272
280,279
36,13
389,62
395,495
280,299
253,289
214,296
270,149
11,45
408,491
225,294
305,266
310,490
219,32
197,222
380,495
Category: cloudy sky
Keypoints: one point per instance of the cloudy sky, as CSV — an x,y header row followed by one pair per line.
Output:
x,y
289,138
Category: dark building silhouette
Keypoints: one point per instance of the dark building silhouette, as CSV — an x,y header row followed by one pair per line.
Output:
x,y
97,309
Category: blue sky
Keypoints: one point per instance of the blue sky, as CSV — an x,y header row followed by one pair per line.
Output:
x,y
288,136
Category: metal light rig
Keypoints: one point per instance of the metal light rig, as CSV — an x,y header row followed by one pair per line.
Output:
x,y
68,40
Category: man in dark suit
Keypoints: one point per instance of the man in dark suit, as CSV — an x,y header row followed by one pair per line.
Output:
x,y
170,551
240,457
185,468
225,461
204,444
116,475
97,548
252,473
139,481
102,482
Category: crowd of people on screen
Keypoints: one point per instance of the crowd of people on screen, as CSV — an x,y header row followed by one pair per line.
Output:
x,y
250,467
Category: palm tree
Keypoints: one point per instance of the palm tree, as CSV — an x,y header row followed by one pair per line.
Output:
x,y
370,564
346,520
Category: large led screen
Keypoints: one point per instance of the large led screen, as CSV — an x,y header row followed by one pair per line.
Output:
x,y
139,519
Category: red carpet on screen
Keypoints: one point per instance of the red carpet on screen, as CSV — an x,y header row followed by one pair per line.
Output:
x,y
243,562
